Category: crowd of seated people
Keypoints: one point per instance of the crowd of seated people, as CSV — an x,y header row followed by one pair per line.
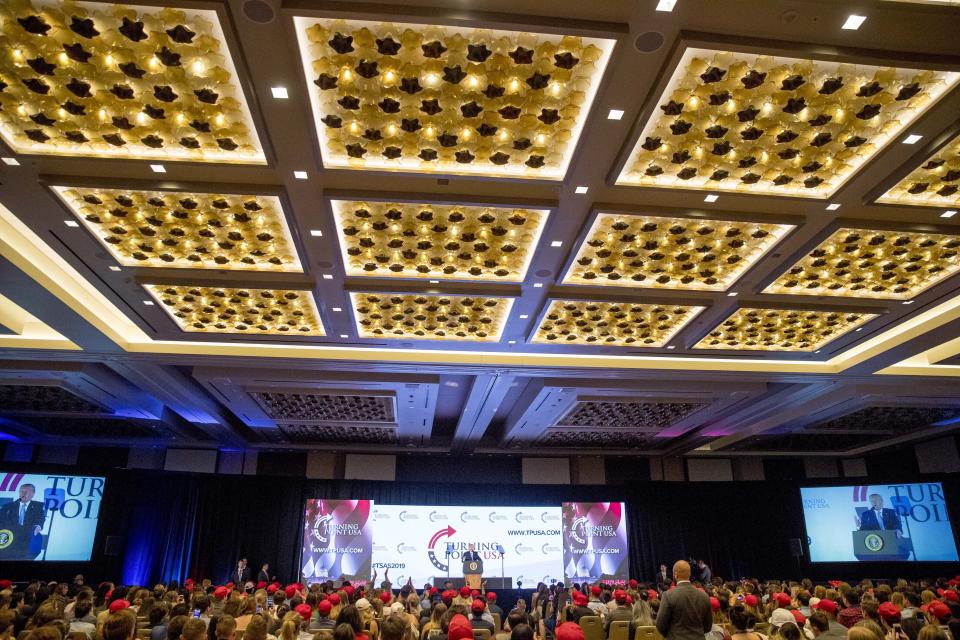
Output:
x,y
743,610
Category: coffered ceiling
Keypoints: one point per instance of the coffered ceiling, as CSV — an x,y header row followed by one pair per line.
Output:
x,y
508,227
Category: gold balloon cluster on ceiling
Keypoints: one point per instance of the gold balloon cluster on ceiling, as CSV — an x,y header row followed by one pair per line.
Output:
x,y
782,126
430,317
781,330
177,229
92,79
670,253
865,263
407,240
234,310
935,183
439,99
619,324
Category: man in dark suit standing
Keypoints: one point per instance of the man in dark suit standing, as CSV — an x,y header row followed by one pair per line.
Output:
x,y
241,574
471,555
685,612
664,578
24,517
879,519
264,575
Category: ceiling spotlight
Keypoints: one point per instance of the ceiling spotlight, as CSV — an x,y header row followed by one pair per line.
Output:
x,y
337,309
10,162
732,294
149,303
853,22
711,197
158,168
833,206
434,282
858,329
343,335
524,316
511,342
328,276
114,267
666,5
671,347
71,223
949,213
537,285
316,233
280,93
581,190
912,139
615,114
556,243
300,175
908,302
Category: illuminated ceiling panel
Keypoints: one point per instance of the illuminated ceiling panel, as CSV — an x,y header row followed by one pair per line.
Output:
x,y
670,253
107,80
774,125
619,324
234,310
864,263
177,229
781,330
409,240
430,317
437,99
935,183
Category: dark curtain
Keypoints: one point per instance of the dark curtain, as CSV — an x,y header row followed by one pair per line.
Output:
x,y
173,526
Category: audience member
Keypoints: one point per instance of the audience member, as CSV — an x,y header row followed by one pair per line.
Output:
x,y
684,612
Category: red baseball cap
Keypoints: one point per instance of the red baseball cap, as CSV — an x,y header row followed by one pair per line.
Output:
x,y
569,631
620,596
262,584
119,605
827,605
459,628
290,591
324,607
580,599
951,596
478,606
889,611
491,596
939,610
633,583
220,593
385,597
595,590
334,599
304,610
783,599
714,603
5,584
652,594
272,589
799,617
464,592
750,600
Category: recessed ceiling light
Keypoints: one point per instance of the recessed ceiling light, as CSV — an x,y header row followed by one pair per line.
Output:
x,y
817,351
71,223
300,175
908,302
581,190
328,276
853,22
556,243
858,329
537,285
732,294
316,233
615,114
158,168
833,206
114,267
343,335
280,93
12,162
671,347
949,213
511,342
666,5
524,316
912,139
711,197
337,309
434,282
149,303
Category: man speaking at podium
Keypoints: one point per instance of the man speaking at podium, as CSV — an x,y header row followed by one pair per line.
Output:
x,y
876,518
24,518
471,555
472,567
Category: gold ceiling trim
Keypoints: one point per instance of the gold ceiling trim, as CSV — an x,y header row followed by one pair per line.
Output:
x,y
26,251
186,230
659,252
437,241
276,312
448,100
28,331
774,125
756,329
935,183
619,324
115,81
430,317
865,263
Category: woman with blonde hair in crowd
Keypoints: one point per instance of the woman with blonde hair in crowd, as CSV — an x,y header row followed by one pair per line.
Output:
x,y
368,623
432,628
718,630
411,611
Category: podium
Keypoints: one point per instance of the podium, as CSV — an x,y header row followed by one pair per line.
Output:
x,y
880,545
473,573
